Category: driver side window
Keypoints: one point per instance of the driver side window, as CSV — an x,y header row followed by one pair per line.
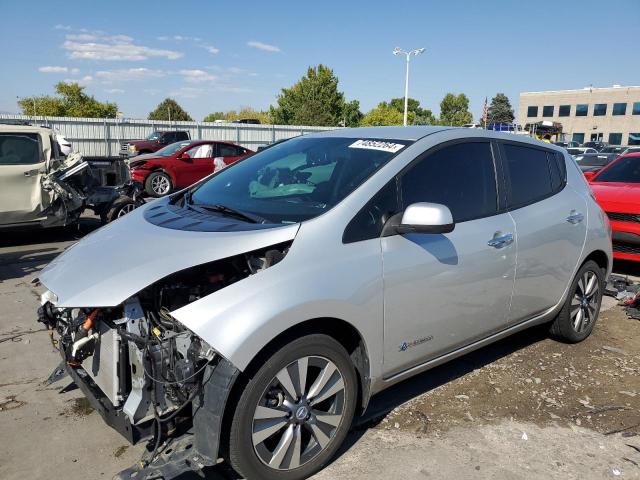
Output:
x,y
201,151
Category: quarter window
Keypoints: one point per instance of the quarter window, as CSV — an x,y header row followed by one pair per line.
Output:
x,y
460,176
582,109
619,108
599,109
565,110
19,149
528,175
532,112
547,111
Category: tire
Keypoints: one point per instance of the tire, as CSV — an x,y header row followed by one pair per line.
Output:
x,y
158,184
578,316
119,208
265,403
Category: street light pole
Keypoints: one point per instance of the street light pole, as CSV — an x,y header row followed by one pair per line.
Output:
x,y
398,51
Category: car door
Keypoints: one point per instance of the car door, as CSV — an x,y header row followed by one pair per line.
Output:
x,y
443,291
22,166
227,154
195,164
551,226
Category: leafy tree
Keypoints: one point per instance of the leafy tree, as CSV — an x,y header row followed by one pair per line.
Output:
x,y
244,112
421,116
313,100
351,114
169,109
71,101
454,110
384,114
500,110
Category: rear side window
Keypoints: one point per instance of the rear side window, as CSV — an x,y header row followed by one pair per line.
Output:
x,y
228,150
19,149
460,176
558,171
528,175
181,136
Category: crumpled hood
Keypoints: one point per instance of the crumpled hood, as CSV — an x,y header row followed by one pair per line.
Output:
x,y
115,262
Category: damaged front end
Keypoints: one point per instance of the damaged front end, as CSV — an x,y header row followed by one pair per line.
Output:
x,y
72,188
148,375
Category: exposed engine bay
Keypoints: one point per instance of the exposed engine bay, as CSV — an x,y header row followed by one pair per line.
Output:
x,y
142,364
73,187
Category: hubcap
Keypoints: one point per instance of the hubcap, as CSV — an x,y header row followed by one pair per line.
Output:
x,y
585,302
125,209
160,185
298,413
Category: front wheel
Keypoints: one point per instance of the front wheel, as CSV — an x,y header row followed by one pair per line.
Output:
x,y
295,411
578,316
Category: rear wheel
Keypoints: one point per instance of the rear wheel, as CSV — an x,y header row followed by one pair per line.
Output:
x,y
158,184
295,411
119,208
578,316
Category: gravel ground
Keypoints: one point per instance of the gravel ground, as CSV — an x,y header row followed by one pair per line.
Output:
x,y
524,408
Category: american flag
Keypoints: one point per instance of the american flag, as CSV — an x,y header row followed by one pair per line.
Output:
x,y
485,113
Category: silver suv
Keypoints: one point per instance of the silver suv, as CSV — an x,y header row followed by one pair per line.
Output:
x,y
253,314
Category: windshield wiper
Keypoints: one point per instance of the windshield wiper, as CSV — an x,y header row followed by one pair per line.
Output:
x,y
232,212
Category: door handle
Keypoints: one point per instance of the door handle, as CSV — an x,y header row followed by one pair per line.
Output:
x,y
30,172
501,241
575,217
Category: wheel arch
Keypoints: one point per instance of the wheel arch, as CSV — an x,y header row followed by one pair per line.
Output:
x,y
600,257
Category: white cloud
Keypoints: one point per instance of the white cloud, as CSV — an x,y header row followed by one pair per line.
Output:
x,y
211,49
186,92
84,81
62,27
128,74
197,76
114,90
263,46
99,46
52,69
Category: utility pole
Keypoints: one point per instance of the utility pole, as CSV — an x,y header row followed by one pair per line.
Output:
x,y
398,51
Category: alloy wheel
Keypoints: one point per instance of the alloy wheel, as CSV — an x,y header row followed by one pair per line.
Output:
x,y
585,302
298,413
160,185
127,208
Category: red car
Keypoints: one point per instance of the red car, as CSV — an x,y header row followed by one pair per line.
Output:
x,y
617,190
183,163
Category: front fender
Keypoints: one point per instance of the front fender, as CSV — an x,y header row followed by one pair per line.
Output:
x,y
239,320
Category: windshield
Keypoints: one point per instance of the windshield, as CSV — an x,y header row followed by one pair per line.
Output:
x,y
298,179
153,136
171,149
627,170
593,160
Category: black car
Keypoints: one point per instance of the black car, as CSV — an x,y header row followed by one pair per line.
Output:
x,y
617,149
594,162
597,145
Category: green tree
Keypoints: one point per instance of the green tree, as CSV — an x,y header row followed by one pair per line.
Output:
x,y
384,114
71,101
454,110
421,116
169,109
351,114
500,110
313,100
244,112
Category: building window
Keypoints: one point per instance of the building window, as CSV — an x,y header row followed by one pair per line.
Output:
x,y
565,110
582,109
578,137
636,108
547,111
599,109
634,139
615,138
532,111
619,108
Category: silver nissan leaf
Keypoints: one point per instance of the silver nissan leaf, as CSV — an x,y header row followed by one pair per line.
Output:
x,y
252,315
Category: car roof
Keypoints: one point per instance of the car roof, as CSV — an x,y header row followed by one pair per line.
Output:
x,y
383,133
4,127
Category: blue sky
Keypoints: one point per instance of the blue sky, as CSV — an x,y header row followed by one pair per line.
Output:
x,y
213,55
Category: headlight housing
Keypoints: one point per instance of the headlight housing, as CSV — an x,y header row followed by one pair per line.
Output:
x,y
132,148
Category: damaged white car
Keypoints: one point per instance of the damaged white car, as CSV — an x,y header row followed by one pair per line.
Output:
x,y
40,187
253,314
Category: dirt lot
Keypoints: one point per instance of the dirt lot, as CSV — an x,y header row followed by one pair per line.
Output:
x,y
526,407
